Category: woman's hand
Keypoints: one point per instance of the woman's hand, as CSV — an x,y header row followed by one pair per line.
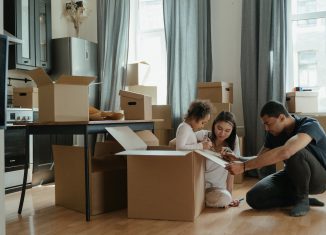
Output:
x,y
230,157
207,144
234,203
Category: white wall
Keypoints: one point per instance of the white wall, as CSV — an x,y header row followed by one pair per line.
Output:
x,y
2,157
226,48
63,27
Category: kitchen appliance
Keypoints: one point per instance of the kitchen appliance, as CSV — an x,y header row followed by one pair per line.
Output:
x,y
76,57
15,147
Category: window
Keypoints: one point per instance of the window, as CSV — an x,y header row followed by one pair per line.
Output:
x,y
307,47
147,43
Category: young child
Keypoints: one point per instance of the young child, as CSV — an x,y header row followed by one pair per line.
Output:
x,y
189,135
218,181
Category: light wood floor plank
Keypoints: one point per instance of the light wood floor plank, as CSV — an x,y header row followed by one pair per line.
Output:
x,y
41,216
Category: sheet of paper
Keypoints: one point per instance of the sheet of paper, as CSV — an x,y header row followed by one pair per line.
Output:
x,y
213,156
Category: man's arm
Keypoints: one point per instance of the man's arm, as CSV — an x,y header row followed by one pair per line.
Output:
x,y
270,156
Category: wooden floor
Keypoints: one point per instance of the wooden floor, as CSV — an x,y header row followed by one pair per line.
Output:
x,y
41,216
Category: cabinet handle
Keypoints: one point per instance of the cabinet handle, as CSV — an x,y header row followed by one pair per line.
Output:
x,y
44,65
25,61
12,161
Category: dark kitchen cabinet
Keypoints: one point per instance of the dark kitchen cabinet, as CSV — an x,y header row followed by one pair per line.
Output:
x,y
29,20
43,170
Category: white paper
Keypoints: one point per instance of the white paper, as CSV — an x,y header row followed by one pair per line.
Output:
x,y
213,156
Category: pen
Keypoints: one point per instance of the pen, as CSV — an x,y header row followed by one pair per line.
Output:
x,y
241,199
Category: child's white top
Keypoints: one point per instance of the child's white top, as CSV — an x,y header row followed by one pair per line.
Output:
x,y
187,139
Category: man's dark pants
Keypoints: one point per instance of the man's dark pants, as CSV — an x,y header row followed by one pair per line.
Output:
x,y
303,175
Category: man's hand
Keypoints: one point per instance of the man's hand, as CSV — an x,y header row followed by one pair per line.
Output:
x,y
230,157
235,168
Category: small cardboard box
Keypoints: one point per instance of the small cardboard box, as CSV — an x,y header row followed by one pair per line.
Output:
x,y
136,106
108,178
145,90
65,100
216,109
162,184
162,112
302,102
136,73
216,92
25,97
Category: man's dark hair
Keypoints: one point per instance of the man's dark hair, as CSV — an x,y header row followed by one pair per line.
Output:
x,y
273,109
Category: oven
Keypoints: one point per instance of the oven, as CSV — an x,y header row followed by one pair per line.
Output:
x,y
15,147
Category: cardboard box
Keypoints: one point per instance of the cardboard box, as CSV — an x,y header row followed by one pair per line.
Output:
x,y
164,135
148,137
108,180
136,73
65,100
162,112
145,90
136,106
162,184
25,97
322,121
302,102
238,179
216,109
216,92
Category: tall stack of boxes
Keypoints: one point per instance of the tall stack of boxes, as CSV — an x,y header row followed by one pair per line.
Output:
x,y
220,94
136,73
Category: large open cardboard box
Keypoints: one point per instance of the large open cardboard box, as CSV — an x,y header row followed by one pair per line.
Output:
x,y
108,178
162,184
65,100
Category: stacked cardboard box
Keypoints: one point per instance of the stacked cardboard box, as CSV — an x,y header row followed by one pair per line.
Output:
x,y
136,106
136,74
25,97
302,102
220,94
163,128
162,183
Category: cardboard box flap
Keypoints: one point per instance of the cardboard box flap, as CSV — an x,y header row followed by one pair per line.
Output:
x,y
154,153
127,138
133,95
75,80
213,156
214,84
40,77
